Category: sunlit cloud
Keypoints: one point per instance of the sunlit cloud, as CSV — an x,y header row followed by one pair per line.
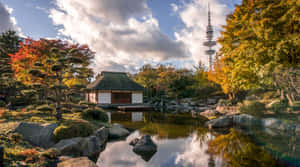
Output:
x,y
194,15
7,21
124,34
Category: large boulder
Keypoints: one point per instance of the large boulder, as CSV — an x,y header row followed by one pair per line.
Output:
x,y
210,113
77,162
144,147
297,130
117,131
246,120
84,146
288,127
223,122
271,123
102,134
40,135
202,109
71,147
211,101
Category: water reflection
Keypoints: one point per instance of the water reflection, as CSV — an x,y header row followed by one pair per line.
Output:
x,y
237,150
129,116
186,145
180,152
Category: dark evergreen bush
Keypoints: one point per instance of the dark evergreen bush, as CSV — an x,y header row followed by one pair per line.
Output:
x,y
95,114
2,103
254,108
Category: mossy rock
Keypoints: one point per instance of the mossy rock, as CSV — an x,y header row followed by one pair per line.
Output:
x,y
73,128
95,114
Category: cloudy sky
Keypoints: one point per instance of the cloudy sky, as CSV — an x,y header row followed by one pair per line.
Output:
x,y
125,34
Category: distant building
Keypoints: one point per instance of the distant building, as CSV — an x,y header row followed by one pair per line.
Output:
x,y
115,88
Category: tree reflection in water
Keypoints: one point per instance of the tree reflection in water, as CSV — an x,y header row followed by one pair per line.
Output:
x,y
237,150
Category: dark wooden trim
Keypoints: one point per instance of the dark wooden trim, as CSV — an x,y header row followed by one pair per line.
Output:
x,y
96,92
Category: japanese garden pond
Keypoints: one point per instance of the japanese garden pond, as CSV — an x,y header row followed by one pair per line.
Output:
x,y
192,145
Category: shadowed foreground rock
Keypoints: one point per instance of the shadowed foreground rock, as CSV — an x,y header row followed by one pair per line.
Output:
x,y
144,147
84,146
77,162
40,135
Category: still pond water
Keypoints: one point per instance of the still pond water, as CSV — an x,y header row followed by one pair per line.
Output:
x,y
192,145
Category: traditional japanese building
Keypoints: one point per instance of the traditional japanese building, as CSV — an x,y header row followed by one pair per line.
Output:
x,y
114,88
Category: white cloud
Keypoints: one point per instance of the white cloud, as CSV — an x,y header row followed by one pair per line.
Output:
x,y
7,21
194,17
174,7
123,34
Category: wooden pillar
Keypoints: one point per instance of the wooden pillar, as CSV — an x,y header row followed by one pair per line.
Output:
x,y
96,92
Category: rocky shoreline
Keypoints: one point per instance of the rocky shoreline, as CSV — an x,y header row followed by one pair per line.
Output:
x,y
245,120
79,151
74,151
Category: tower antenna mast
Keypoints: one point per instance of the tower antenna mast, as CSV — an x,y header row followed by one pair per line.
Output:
x,y
209,40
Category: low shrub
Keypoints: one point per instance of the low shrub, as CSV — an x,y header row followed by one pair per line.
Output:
x,y
296,106
37,119
255,108
45,108
279,107
225,102
66,110
76,110
30,107
74,106
5,114
95,114
18,101
51,153
270,95
2,103
15,138
83,103
73,128
41,102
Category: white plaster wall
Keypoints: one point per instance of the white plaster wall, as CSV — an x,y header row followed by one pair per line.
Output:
x,y
137,98
104,98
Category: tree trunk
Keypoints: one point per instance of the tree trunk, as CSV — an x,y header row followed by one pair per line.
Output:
x,y
58,111
281,95
290,99
58,98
